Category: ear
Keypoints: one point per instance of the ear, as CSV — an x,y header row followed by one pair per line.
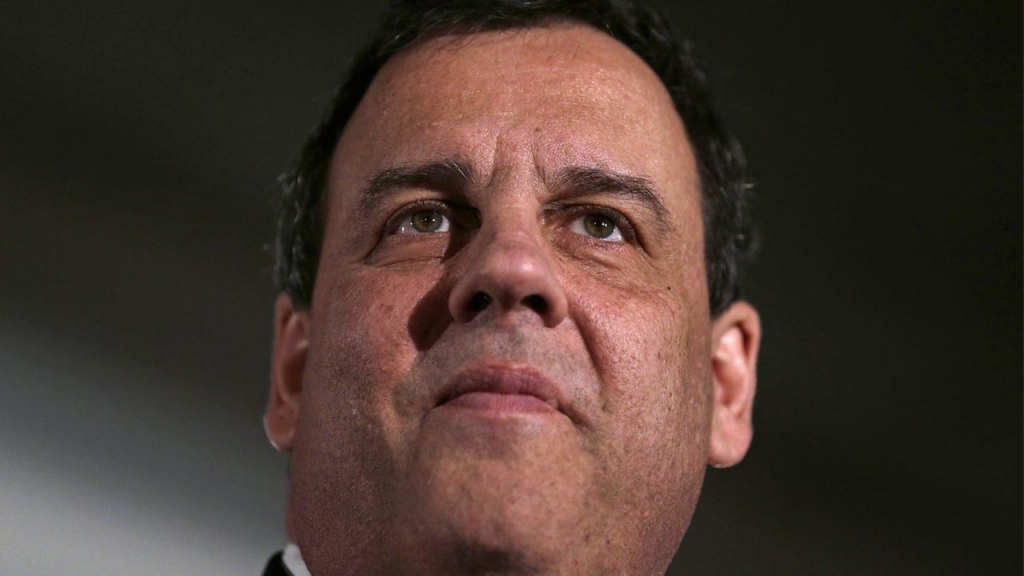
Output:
x,y
287,365
736,336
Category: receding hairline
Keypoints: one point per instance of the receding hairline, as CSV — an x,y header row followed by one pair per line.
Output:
x,y
628,68
453,37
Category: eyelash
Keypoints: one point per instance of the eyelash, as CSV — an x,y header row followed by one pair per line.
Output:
x,y
570,212
408,210
622,223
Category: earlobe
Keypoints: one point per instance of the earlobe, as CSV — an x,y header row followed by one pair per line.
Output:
x,y
736,336
288,363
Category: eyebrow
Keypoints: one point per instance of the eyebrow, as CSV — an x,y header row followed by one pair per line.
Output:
x,y
445,174
574,181
583,181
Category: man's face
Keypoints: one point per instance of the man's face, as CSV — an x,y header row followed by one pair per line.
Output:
x,y
509,352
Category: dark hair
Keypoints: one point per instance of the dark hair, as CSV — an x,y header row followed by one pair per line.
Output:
x,y
719,157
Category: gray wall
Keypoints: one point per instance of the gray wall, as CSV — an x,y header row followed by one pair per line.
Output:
x,y
139,146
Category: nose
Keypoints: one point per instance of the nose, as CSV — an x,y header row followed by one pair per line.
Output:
x,y
508,272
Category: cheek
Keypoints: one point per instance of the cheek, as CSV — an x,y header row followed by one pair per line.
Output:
x,y
349,442
362,346
650,348
363,326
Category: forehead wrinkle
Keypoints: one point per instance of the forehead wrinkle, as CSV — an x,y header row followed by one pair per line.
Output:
x,y
479,105
612,62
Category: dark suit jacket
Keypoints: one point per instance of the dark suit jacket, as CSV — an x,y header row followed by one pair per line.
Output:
x,y
275,567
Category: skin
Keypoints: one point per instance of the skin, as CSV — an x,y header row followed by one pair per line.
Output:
x,y
384,479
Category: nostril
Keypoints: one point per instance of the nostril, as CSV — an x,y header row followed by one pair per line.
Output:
x,y
537,303
479,301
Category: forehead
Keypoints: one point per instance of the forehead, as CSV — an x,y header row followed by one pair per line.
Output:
x,y
556,95
576,63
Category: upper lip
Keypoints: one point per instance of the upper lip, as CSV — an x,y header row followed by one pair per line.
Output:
x,y
508,379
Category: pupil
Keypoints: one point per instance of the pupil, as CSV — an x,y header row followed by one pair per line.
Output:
x,y
426,221
599,226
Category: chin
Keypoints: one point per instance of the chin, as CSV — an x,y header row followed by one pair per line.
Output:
x,y
527,509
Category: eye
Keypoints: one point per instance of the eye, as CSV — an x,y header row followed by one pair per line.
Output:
x,y
425,221
598,226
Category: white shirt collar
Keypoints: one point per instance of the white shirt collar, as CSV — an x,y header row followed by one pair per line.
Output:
x,y
293,561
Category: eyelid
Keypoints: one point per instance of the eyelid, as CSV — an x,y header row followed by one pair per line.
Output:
x,y
625,226
457,216
396,220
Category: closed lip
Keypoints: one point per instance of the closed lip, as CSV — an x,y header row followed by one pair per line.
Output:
x,y
508,379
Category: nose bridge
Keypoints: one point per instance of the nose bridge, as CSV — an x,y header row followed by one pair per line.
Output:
x,y
512,232
509,269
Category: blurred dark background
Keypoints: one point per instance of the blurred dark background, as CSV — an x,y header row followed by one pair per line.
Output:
x,y
139,147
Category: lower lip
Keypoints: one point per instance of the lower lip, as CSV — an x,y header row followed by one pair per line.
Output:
x,y
500,403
